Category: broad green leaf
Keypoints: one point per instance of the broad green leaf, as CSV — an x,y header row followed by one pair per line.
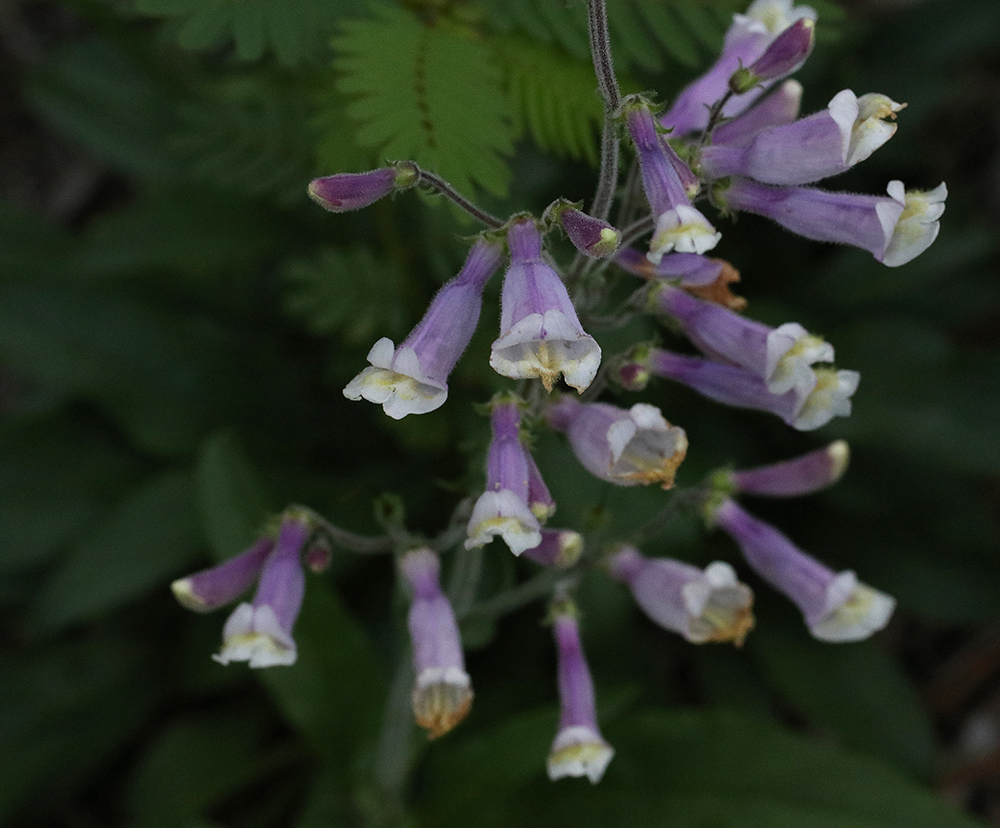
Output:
x,y
230,495
854,690
146,539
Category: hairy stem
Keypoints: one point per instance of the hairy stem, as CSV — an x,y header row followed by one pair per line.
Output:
x,y
442,187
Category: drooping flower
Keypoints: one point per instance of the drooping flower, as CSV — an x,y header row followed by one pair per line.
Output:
x,y
818,146
783,357
213,588
540,333
679,225
591,236
790,478
503,509
701,605
442,692
578,749
731,385
261,633
786,54
413,378
352,191
746,40
894,229
627,447
540,500
837,607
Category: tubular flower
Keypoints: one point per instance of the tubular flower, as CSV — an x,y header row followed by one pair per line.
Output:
x,y
627,447
780,107
578,749
786,54
798,476
503,509
559,549
837,607
413,378
541,335
442,693
894,229
679,225
212,588
815,147
591,236
261,633
746,40
689,269
783,357
352,191
701,605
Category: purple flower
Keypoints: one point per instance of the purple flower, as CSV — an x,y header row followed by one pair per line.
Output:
x,y
503,509
894,229
798,476
413,378
679,225
559,549
261,633
837,607
780,107
702,605
746,40
578,749
626,447
212,588
540,334
689,269
827,143
731,385
442,694
783,357
540,500
787,52
591,236
352,191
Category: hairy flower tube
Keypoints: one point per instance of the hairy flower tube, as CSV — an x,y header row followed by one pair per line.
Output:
x,y
781,106
413,378
261,633
747,39
790,478
782,357
578,749
688,269
818,146
787,52
503,509
679,225
894,228
591,236
540,333
442,692
352,191
731,385
837,607
629,447
701,605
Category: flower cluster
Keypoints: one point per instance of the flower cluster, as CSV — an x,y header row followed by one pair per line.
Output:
x,y
734,140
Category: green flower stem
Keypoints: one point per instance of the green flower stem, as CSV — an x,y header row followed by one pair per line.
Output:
x,y
394,751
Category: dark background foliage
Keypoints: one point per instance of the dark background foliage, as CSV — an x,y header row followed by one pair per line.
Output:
x,y
177,321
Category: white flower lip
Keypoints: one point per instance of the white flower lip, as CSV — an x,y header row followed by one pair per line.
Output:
x,y
718,606
503,513
830,398
579,751
644,447
396,381
683,229
545,345
917,225
254,635
854,611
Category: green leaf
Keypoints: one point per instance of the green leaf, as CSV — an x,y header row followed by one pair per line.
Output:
x,y
438,101
230,495
854,690
295,31
149,537
687,769
553,96
354,293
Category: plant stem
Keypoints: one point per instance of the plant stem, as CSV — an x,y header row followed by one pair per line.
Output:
x,y
439,185
393,752
604,68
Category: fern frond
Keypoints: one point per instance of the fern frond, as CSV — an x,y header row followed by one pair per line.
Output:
x,y
429,93
355,294
294,30
553,97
